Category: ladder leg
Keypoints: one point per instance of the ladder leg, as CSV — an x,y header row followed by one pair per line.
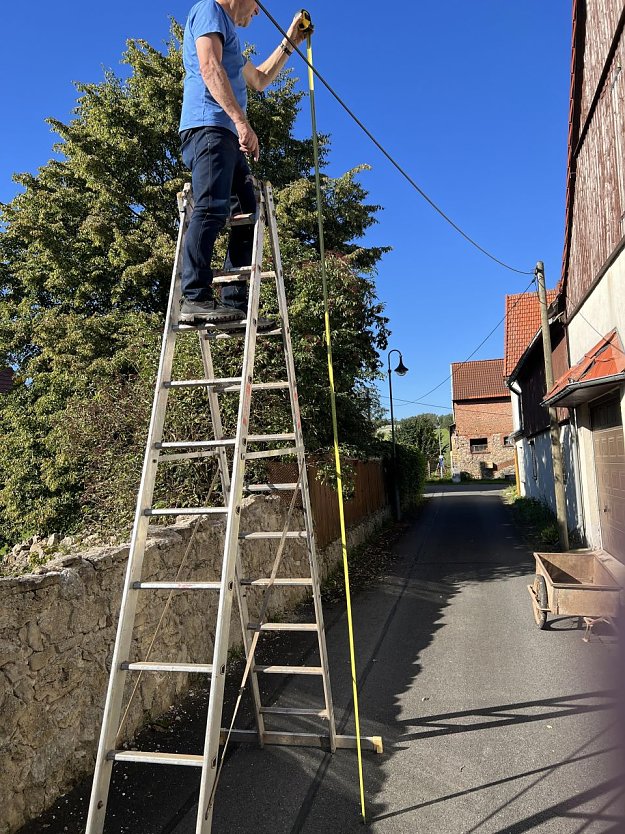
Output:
x,y
213,399
123,640
231,546
301,461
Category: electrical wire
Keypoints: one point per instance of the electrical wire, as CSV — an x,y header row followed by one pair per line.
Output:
x,y
484,340
383,150
599,333
399,402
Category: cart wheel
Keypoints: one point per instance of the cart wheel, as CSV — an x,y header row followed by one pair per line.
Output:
x,y
540,589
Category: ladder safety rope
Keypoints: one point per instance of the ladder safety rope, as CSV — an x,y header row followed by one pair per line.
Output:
x,y
337,454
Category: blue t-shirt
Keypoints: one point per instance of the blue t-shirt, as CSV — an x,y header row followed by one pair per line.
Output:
x,y
199,108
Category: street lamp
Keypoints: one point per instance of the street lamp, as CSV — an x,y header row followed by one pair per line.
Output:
x,y
400,370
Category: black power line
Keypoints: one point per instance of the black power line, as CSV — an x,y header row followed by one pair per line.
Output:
x,y
383,150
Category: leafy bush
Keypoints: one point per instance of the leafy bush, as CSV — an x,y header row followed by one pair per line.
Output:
x,y
536,518
411,472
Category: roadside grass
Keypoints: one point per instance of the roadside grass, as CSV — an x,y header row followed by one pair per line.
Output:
x,y
534,519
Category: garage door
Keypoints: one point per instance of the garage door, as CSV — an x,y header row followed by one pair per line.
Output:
x,y
607,432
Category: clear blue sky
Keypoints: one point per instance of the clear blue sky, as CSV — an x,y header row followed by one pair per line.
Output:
x,y
471,98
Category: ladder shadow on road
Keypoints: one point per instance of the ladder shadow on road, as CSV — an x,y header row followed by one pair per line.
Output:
x,y
504,715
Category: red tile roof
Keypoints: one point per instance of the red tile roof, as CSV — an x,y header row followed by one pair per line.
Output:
x,y
6,380
478,380
521,325
602,362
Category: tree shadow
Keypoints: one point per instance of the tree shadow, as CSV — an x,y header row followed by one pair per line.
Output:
x,y
462,547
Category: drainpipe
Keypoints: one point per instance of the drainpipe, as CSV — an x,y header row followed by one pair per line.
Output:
x,y
554,427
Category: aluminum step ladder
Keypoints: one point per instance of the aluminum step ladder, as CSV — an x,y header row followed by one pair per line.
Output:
x,y
234,580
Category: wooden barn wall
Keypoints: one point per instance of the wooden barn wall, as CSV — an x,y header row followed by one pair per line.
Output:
x,y
599,207
532,382
602,18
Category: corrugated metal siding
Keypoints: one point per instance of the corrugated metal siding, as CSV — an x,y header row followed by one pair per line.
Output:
x,y
602,18
599,207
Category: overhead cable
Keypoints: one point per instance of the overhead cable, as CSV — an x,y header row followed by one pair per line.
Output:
x,y
484,340
383,150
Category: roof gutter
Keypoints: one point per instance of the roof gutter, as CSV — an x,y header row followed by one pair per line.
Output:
x,y
578,386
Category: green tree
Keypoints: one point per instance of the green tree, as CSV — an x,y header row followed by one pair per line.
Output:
x,y
85,263
419,432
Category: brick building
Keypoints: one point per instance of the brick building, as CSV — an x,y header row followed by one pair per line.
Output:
x,y
480,443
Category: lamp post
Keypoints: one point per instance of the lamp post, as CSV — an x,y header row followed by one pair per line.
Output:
x,y
441,459
400,370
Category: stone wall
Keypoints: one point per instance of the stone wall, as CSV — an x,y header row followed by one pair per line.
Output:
x,y
57,630
490,419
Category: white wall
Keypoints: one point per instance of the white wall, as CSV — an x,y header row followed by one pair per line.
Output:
x,y
602,311
536,473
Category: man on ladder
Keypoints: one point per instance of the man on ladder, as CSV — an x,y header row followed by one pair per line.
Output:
x,y
215,136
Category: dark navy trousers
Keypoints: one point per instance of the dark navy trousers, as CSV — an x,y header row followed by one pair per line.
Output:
x,y
219,170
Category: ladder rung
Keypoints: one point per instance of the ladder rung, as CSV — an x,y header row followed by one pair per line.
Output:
x,y
283,627
225,276
187,511
283,583
270,386
258,386
194,444
271,453
205,383
317,713
269,438
156,758
270,487
240,332
242,219
207,453
289,670
161,666
223,331
176,586
274,534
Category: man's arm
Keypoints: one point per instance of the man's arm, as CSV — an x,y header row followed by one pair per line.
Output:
x,y
210,53
261,76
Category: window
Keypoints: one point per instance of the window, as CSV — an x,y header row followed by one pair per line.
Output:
x,y
534,461
478,444
507,441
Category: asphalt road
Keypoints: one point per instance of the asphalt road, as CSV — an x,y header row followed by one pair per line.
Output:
x,y
489,724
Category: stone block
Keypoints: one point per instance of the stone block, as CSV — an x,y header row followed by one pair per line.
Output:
x,y
33,637
11,652
38,660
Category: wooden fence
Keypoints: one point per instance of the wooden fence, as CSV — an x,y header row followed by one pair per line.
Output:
x,y
368,497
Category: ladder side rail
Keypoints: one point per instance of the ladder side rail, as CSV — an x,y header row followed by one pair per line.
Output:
x,y
123,639
215,412
213,399
301,458
231,544
248,645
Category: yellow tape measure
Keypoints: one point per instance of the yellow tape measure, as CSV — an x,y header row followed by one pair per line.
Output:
x,y
305,21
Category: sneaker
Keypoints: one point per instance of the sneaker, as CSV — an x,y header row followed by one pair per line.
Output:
x,y
209,311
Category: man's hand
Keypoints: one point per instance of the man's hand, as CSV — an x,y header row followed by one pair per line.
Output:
x,y
297,35
248,140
